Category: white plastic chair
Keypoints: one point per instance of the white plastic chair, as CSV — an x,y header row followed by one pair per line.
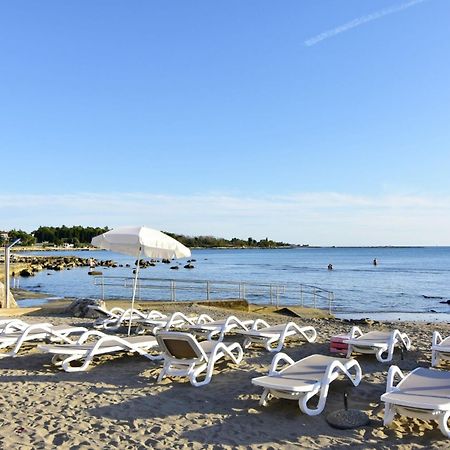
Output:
x,y
216,329
184,356
377,342
120,317
422,394
306,378
94,343
37,332
263,333
440,349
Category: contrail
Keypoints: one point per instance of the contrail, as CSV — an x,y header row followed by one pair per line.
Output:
x,y
360,21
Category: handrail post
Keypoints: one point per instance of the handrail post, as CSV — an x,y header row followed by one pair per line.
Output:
x,y
314,294
271,295
207,291
301,295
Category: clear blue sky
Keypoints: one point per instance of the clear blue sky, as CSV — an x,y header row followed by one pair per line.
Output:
x,y
308,121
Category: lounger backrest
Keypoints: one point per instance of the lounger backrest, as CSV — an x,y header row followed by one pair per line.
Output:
x,y
179,345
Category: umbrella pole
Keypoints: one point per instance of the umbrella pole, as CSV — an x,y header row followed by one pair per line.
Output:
x,y
136,275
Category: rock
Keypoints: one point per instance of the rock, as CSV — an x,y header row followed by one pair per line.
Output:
x,y
80,307
26,273
175,267
95,272
189,266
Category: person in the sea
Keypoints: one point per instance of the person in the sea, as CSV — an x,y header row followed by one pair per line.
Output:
x,y
375,262
330,266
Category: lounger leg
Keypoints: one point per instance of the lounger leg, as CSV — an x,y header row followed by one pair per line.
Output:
x,y
302,402
443,424
349,350
435,358
195,373
68,368
270,341
247,343
163,372
379,354
389,414
265,397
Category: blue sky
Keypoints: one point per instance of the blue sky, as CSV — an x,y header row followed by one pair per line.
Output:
x,y
318,122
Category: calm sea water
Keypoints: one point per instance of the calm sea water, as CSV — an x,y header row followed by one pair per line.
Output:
x,y
406,280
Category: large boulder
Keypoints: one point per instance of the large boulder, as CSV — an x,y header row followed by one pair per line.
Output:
x,y
12,301
80,307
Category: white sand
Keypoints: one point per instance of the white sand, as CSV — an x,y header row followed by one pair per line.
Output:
x,y
116,404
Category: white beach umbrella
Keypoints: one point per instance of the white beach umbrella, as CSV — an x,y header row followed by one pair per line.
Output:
x,y
139,242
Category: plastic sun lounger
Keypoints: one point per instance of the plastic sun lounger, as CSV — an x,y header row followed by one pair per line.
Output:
x,y
10,325
422,394
306,378
119,319
85,349
440,349
218,328
37,332
185,356
377,342
165,323
261,332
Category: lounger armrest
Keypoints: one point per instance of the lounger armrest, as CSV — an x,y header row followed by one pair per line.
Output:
x,y
14,325
153,314
355,332
277,359
90,333
402,337
392,373
204,318
236,321
259,323
437,338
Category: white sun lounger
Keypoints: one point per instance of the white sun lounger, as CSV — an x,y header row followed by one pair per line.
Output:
x,y
377,342
422,394
37,332
216,329
306,378
184,356
263,333
94,343
440,349
10,325
121,318
165,323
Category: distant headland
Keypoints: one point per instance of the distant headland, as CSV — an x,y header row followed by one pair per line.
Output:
x,y
78,237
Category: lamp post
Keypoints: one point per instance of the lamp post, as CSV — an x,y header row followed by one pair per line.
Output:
x,y
7,254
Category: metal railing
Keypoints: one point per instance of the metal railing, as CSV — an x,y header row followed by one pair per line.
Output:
x,y
169,289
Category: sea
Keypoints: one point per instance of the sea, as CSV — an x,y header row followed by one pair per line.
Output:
x,y
405,284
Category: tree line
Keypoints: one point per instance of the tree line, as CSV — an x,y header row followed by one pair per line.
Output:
x,y
80,236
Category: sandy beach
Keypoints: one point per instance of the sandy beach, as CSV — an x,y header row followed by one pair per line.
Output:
x,y
117,403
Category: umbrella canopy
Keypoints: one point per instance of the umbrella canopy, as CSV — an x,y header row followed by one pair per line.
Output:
x,y
146,241
138,242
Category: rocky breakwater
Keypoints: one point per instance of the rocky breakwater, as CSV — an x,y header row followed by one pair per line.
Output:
x,y
35,264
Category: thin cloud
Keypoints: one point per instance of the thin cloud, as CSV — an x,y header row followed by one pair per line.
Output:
x,y
324,218
361,21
